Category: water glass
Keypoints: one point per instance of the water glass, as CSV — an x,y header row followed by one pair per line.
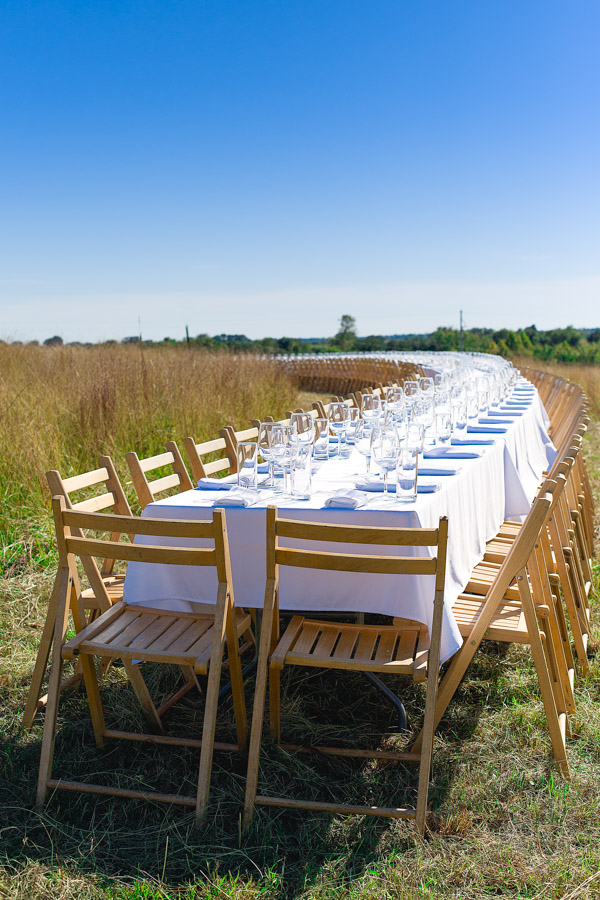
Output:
x,y
459,419
247,460
415,436
426,386
321,444
353,418
281,442
300,471
406,474
443,428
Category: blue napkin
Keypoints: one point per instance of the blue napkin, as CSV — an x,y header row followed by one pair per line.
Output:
x,y
485,429
476,442
376,487
490,420
443,453
433,470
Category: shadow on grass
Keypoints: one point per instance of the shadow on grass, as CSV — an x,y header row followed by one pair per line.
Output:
x,y
287,849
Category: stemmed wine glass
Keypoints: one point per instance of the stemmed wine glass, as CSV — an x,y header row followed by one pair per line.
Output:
x,y
385,448
365,429
339,417
281,440
263,440
371,406
304,426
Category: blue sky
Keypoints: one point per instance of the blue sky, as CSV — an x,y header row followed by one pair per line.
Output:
x,y
263,166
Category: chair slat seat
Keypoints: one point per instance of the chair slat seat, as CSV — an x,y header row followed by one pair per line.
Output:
x,y
330,645
508,623
133,632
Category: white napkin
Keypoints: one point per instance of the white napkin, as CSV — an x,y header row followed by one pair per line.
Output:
x,y
447,453
218,484
345,499
239,497
486,429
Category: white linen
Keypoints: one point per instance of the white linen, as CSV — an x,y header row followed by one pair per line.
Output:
x,y
344,499
500,483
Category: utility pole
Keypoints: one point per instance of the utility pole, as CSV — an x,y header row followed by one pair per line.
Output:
x,y
187,335
140,327
460,337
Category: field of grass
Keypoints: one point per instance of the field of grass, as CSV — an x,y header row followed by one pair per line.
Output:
x,y
505,824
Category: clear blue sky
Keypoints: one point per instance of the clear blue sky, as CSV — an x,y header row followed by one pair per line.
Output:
x,y
263,166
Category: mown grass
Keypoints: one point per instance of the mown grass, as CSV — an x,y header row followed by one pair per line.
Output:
x,y
504,822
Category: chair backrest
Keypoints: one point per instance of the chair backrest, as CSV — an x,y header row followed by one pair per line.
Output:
x,y
147,491
111,497
210,457
391,563
73,543
232,438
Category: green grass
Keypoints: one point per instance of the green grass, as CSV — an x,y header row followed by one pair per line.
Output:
x,y
504,824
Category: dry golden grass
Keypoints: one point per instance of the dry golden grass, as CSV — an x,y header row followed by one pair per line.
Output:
x,y
62,407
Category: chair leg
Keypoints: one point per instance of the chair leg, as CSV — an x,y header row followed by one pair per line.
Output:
x,y
41,661
237,679
62,588
275,703
142,693
210,712
258,712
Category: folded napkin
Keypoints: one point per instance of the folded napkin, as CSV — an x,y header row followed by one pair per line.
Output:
x,y
345,499
443,453
486,429
239,497
218,484
471,442
513,411
433,470
520,404
490,420
376,487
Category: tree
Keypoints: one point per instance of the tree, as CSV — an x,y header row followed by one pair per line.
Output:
x,y
346,335
55,341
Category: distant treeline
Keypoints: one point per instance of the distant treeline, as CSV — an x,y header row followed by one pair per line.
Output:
x,y
567,345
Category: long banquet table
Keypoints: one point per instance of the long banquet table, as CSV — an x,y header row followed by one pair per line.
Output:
x,y
499,484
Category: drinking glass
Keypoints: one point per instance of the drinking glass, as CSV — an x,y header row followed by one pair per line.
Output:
x,y
406,474
263,441
394,396
415,436
443,428
300,471
338,420
365,429
441,381
459,419
371,406
411,393
305,428
247,459
353,418
281,440
384,447
321,445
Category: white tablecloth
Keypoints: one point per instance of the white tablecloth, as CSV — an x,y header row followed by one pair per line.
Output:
x,y
500,483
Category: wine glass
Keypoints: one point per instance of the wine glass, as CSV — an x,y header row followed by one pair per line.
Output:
x,y
281,440
305,428
426,386
371,406
385,448
338,420
363,436
263,440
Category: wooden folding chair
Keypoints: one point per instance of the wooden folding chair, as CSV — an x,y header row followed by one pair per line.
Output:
x,y
210,457
111,497
133,632
505,610
147,491
404,648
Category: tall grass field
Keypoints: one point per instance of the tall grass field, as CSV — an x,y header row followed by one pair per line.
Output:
x,y
504,823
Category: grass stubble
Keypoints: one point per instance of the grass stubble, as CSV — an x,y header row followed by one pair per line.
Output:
x,y
504,822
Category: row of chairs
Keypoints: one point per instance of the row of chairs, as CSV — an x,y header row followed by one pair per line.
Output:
x,y
345,374
531,587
